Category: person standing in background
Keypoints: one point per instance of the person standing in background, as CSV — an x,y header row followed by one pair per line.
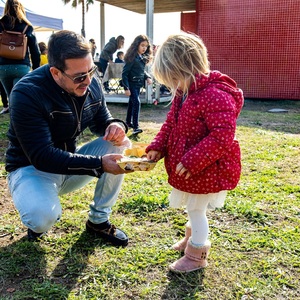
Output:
x,y
12,70
106,55
134,76
44,51
93,47
5,109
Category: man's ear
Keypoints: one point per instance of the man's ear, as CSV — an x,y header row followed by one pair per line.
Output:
x,y
55,73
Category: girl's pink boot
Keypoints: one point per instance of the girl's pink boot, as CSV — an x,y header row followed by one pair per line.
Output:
x,y
195,258
181,245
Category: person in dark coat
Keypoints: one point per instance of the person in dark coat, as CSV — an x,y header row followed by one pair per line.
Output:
x,y
134,76
50,108
12,70
106,55
120,57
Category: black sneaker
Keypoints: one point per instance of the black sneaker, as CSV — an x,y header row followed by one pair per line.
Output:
x,y
137,131
33,236
110,234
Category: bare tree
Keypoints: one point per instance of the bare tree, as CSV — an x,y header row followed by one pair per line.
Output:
x,y
85,7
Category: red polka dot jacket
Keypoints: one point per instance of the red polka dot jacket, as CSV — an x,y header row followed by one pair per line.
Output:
x,y
200,133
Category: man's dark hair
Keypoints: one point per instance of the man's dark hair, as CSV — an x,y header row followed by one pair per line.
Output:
x,y
64,45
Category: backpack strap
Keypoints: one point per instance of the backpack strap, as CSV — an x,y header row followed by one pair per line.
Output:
x,y
25,29
22,31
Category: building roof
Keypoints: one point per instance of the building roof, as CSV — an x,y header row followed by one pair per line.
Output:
x,y
160,6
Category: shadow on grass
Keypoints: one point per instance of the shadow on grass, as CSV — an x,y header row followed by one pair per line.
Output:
x,y
23,269
184,286
22,263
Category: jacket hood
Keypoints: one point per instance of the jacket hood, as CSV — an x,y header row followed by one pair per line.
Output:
x,y
222,82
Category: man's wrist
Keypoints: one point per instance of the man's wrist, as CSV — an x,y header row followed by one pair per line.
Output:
x,y
99,171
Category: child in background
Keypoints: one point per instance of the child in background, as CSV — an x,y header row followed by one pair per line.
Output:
x,y
120,57
134,76
197,140
44,53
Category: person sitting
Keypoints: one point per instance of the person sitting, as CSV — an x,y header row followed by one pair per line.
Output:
x,y
52,106
120,57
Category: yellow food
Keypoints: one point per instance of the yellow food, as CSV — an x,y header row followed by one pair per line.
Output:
x,y
137,150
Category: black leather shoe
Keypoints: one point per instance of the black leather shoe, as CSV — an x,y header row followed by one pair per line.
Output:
x,y
110,234
33,236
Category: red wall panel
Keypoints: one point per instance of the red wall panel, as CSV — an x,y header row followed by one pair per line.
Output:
x,y
188,22
256,42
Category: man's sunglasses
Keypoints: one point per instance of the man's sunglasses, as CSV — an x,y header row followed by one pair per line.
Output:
x,y
81,78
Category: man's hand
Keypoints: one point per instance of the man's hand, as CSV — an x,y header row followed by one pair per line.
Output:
x,y
109,164
115,134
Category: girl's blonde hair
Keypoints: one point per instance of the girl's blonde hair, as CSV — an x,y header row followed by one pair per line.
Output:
x,y
178,60
15,10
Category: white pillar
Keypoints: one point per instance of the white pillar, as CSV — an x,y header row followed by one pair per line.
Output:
x,y
102,26
149,32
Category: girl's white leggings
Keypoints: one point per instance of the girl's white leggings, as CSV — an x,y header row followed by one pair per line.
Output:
x,y
199,223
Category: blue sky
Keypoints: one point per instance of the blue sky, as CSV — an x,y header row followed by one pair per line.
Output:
x,y
118,21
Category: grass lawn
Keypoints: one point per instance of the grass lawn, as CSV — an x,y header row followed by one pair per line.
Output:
x,y
255,236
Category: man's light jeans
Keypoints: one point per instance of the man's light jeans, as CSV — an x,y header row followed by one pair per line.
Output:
x,y
36,193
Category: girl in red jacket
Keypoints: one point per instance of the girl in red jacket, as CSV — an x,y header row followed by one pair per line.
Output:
x,y
197,140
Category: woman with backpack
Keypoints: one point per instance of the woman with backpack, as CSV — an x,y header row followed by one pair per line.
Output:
x,y
11,69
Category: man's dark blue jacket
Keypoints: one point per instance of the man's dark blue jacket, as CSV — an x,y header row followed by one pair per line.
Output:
x,y
46,121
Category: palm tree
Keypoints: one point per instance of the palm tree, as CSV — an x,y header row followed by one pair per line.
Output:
x,y
85,7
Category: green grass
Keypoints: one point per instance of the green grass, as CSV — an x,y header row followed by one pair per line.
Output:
x,y
255,236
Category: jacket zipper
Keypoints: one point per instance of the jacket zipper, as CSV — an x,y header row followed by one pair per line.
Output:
x,y
78,116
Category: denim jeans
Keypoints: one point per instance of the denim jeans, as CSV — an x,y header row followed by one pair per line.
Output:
x,y
36,193
11,74
134,106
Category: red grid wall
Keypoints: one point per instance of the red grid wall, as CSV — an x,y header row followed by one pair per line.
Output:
x,y
255,42
188,22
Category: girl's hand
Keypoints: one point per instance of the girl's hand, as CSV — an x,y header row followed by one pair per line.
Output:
x,y
127,93
154,155
181,170
149,81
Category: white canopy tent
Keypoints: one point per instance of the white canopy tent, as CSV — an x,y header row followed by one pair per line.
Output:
x,y
39,22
